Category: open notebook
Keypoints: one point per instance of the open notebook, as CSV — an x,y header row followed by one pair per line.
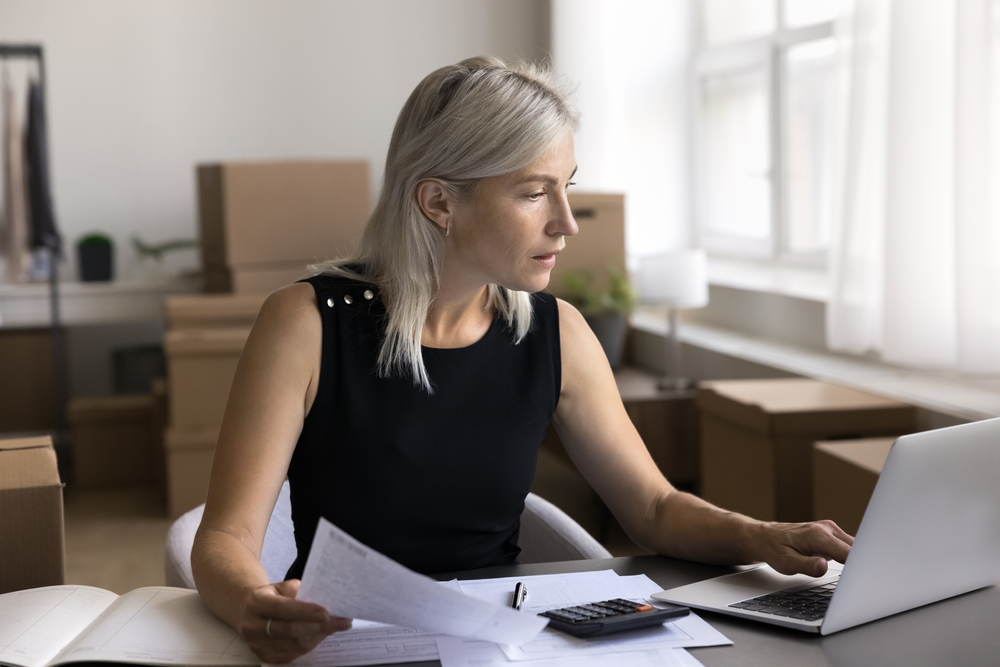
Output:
x,y
58,625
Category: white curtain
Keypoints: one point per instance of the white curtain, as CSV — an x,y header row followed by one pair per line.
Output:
x,y
916,256
629,62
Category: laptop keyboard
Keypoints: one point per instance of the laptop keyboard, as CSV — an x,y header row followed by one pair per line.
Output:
x,y
806,605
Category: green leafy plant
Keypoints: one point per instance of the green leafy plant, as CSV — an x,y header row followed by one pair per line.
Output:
x,y
94,240
157,250
583,292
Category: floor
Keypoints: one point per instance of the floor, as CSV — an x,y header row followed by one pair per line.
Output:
x,y
115,538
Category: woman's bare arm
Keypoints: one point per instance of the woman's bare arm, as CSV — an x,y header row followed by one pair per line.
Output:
x,y
273,390
604,445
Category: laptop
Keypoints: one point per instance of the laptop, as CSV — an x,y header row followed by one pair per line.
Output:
x,y
931,531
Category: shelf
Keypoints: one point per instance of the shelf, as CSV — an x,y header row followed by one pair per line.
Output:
x,y
25,306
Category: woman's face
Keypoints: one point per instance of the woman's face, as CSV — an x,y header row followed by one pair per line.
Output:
x,y
513,227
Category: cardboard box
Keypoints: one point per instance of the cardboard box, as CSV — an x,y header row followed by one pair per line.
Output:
x,y
27,398
258,278
190,452
212,311
254,213
844,478
201,364
600,243
757,438
113,440
32,548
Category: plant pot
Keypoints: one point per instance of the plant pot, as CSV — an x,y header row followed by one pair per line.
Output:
x,y
610,328
95,262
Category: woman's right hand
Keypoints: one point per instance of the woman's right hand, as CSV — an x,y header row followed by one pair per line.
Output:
x,y
279,628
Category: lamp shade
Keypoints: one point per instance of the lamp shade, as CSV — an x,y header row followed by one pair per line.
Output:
x,y
676,279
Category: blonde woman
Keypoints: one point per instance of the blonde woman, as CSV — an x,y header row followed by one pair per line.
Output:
x,y
405,392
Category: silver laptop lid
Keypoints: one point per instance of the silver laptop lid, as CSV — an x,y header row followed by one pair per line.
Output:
x,y
932,527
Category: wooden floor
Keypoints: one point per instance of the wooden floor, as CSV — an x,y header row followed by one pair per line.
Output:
x,y
115,538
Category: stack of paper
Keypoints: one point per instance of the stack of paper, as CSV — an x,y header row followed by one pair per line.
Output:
x,y
411,618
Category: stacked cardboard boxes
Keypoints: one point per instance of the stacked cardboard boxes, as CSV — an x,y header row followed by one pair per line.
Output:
x,y
32,550
114,442
757,439
263,223
203,343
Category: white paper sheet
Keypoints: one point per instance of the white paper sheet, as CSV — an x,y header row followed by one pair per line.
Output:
x,y
351,580
554,591
371,643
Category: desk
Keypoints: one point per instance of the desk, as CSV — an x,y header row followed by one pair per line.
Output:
x,y
961,631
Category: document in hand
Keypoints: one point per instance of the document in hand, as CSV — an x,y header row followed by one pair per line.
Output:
x,y
353,581
59,625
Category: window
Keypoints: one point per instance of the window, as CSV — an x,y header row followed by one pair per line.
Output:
x,y
764,77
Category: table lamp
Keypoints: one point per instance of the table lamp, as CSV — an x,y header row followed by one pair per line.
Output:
x,y
677,280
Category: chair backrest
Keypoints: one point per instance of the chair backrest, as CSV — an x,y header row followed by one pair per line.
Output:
x,y
547,535
276,556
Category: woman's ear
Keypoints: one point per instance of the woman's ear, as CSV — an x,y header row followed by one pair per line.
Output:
x,y
435,202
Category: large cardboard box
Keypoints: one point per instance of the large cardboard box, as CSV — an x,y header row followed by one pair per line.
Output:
x,y
757,438
256,214
190,452
844,478
260,279
32,549
600,243
114,443
212,311
201,364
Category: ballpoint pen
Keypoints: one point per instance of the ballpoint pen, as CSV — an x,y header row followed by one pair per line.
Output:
x,y
520,592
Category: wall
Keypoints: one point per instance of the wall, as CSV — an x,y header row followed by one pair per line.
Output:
x,y
140,92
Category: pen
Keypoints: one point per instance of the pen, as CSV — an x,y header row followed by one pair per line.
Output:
x,y
520,592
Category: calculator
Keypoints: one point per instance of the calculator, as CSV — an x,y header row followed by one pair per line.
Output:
x,y
603,618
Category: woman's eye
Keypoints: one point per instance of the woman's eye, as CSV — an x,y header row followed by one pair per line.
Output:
x,y
569,184
535,196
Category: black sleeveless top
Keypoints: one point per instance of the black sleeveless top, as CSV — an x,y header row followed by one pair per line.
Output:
x,y
434,481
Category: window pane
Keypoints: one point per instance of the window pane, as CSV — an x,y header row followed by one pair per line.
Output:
x,y
726,20
808,145
735,156
804,12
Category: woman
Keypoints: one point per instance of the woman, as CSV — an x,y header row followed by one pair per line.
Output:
x,y
405,392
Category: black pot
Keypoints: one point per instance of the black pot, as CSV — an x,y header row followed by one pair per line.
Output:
x,y
610,328
95,262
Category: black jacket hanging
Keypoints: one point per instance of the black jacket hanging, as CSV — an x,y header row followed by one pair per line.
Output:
x,y
44,233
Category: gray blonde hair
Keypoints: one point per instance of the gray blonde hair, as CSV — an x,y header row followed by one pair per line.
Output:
x,y
482,117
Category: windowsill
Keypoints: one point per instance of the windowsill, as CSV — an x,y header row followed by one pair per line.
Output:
x,y
812,284
92,302
964,396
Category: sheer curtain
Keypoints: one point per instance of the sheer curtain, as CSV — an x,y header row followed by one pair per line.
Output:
x,y
916,253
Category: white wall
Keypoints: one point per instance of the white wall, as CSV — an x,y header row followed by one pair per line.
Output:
x,y
140,92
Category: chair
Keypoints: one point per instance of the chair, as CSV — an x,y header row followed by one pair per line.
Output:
x,y
547,535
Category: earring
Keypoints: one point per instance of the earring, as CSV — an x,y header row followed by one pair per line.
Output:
x,y
447,230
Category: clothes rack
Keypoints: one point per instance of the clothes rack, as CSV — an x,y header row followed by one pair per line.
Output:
x,y
59,378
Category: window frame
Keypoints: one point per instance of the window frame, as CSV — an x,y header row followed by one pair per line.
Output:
x,y
763,53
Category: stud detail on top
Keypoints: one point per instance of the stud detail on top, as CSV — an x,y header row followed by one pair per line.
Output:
x,y
369,295
329,302
348,298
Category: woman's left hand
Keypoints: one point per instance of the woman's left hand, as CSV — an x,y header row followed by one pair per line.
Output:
x,y
802,548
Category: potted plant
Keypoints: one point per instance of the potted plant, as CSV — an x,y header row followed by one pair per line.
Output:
x,y
606,308
95,256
